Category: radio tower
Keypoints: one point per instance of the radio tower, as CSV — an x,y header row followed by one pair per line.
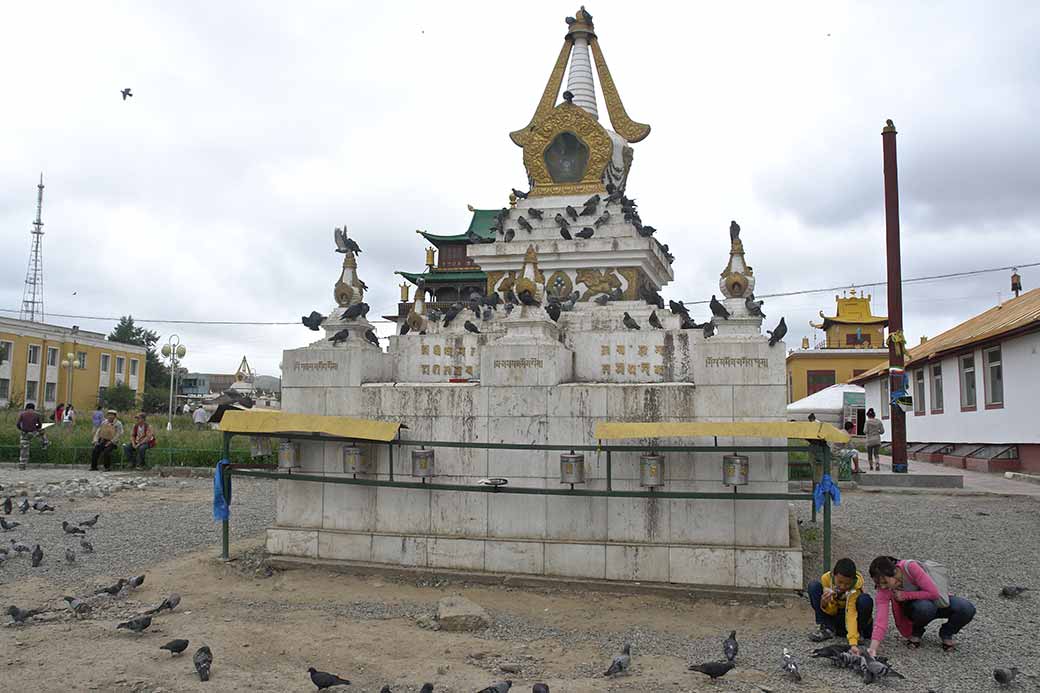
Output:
x,y
32,296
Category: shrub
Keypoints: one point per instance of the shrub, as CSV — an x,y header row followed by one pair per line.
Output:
x,y
120,398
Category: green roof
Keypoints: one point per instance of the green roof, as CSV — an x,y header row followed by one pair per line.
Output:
x,y
480,224
448,276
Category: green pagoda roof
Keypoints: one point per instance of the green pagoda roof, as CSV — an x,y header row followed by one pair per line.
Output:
x,y
445,276
480,224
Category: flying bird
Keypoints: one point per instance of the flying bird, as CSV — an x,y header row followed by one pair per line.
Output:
x,y
323,679
655,321
730,647
137,625
370,337
622,661
713,669
126,92
342,335
345,244
470,327
717,309
777,333
203,661
313,321
586,232
175,647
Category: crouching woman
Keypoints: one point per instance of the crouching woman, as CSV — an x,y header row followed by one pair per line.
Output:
x,y
909,590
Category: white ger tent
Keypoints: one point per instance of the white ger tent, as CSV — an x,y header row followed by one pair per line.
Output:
x,y
827,404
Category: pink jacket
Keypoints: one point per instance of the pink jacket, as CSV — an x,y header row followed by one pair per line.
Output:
x,y
926,589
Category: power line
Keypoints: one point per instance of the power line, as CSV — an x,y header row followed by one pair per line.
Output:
x,y
802,292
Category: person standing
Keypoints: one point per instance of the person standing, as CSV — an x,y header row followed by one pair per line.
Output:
x,y
106,438
142,437
201,418
58,412
186,409
68,417
29,425
96,419
873,429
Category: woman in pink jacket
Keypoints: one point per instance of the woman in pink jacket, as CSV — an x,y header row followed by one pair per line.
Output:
x,y
910,591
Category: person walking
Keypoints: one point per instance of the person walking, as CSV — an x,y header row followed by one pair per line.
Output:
x,y
873,429
201,418
106,438
29,425
908,589
142,437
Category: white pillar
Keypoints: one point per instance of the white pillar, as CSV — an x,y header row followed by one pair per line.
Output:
x,y
579,80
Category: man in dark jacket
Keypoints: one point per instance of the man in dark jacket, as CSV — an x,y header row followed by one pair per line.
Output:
x,y
30,425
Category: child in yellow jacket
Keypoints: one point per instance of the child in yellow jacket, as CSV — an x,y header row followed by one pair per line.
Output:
x,y
840,605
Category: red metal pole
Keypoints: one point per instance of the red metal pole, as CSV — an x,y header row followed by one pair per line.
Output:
x,y
896,347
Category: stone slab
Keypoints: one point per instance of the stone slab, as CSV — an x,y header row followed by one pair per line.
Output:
x,y
457,614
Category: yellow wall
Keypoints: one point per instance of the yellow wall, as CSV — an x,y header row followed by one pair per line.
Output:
x,y
799,363
837,336
85,382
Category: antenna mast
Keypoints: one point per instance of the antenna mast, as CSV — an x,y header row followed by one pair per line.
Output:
x,y
32,296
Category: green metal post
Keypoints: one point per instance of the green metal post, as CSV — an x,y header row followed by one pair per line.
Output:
x,y
225,528
390,446
826,513
609,472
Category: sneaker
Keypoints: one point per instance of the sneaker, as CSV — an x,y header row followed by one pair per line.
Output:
x,y
821,635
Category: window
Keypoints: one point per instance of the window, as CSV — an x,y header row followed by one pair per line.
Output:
x,y
937,389
5,351
32,388
919,392
857,339
34,354
52,356
119,364
886,396
133,368
5,388
967,367
104,362
81,359
50,392
818,380
994,378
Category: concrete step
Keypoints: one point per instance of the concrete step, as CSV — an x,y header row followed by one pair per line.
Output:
x,y
877,479
1019,476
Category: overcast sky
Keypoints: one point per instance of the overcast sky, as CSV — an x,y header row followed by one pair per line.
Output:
x,y
255,128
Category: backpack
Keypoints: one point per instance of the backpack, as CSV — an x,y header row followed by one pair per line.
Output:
x,y
939,575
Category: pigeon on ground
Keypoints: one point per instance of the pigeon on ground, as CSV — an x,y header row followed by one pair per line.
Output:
x,y
831,651
629,322
8,506
313,321
71,529
175,647
370,337
41,506
874,669
1012,591
137,625
8,526
717,309
353,312
112,590
37,556
19,615
78,606
24,506
342,335
623,661
19,547
126,92
89,523
1005,677
70,555
586,233
655,321
571,212
678,308
86,546
713,669
535,213
602,219
790,667
539,688
730,646
470,327
426,688
323,679
500,687
777,333
203,660
135,582
754,307
169,603
553,309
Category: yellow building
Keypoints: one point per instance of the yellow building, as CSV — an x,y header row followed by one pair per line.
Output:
x,y
48,364
855,343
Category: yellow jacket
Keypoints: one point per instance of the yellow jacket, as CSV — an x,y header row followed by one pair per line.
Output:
x,y
846,601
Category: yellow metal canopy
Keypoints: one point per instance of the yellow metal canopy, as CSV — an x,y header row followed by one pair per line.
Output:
x,y
809,430
282,422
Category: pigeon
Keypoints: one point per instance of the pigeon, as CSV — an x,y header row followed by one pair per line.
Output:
x,y
527,299
621,662
71,529
112,590
470,327
370,337
589,208
709,329
137,625
203,660
175,647
500,687
614,194
19,615
571,212
342,335
831,651
313,321
89,523
487,314
647,231
602,219
135,582
41,506
86,546
678,308
790,667
70,555
1012,591
520,194
539,688
24,507
354,311
502,215
345,244
651,296
323,679
602,299
78,606
1005,677
754,307
629,322
524,223
717,309
874,669
535,213
713,669
561,222
553,308
8,506
655,321
492,300
37,556
453,310
734,230
8,526
126,92
777,333
426,688
169,603
19,547
510,235
730,646
586,233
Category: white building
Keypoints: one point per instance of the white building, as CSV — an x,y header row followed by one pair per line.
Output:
x,y
974,391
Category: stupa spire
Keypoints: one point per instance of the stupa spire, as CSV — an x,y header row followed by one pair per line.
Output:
x,y
579,78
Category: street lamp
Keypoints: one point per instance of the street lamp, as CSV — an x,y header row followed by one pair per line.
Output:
x,y
173,350
68,363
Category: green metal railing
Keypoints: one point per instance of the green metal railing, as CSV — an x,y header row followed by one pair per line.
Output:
x,y
80,454
821,453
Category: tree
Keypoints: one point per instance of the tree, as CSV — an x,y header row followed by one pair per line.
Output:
x,y
120,397
126,332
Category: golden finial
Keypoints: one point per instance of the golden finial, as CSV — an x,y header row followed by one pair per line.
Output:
x,y
512,200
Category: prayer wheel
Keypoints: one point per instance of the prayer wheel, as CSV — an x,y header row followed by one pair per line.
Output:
x,y
422,463
288,455
651,470
572,468
354,462
735,470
